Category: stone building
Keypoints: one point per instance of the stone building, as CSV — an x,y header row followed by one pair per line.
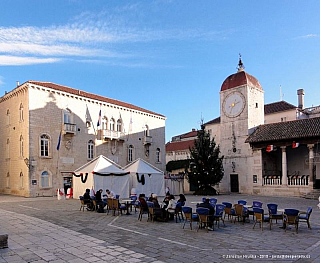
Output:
x,y
259,142
49,130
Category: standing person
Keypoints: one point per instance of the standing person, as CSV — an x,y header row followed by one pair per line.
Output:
x,y
110,194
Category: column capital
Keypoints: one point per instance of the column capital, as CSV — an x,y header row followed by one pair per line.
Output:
x,y
310,146
283,148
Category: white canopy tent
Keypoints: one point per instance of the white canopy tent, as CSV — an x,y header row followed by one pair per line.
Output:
x,y
145,178
101,173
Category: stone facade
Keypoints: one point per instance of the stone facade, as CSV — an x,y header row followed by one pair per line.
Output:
x,y
30,163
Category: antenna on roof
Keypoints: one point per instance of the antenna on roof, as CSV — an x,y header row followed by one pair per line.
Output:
x,y
281,94
240,64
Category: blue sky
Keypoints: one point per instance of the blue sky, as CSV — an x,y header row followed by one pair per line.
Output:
x,y
170,57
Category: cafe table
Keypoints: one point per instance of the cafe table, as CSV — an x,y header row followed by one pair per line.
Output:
x,y
127,201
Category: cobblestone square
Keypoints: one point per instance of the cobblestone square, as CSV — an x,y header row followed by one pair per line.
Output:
x,y
45,229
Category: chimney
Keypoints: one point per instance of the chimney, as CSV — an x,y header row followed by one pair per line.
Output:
x,y
193,129
18,83
300,93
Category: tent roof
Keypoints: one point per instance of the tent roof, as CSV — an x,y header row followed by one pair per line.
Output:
x,y
100,164
141,166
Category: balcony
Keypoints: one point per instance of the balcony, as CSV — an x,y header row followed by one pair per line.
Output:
x,y
147,140
69,128
111,135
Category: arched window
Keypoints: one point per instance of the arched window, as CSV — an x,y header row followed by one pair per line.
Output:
x,y
90,149
112,125
130,153
104,125
146,130
8,180
67,116
21,180
44,179
158,155
119,125
44,145
21,112
8,148
8,117
21,146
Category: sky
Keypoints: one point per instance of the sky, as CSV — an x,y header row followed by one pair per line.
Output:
x,y
167,56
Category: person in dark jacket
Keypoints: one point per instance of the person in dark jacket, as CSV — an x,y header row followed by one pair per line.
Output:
x,y
99,201
87,200
206,204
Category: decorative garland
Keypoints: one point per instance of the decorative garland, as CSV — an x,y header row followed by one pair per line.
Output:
x,y
109,174
142,180
81,175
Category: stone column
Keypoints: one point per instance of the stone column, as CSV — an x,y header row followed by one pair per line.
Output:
x,y
311,163
284,166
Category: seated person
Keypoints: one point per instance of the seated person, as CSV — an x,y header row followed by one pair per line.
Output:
x,y
100,203
206,204
182,199
87,200
167,198
155,201
171,208
150,197
110,194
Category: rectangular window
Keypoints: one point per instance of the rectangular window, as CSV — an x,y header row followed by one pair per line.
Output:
x,y
255,179
283,119
44,152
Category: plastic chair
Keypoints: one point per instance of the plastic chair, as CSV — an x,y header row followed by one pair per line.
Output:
x,y
219,213
151,211
304,216
242,202
291,217
188,215
204,218
273,214
83,205
117,196
259,217
255,204
133,202
240,213
228,210
213,201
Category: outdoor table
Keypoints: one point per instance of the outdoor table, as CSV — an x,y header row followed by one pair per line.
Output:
x,y
127,202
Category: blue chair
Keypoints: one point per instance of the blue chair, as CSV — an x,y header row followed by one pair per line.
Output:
x,y
83,205
242,202
203,199
133,202
213,201
117,196
303,216
291,217
188,215
219,213
141,210
273,214
255,204
178,211
241,213
151,211
259,217
228,210
204,217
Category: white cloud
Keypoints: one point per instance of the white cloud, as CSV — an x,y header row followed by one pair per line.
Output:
x,y
18,61
1,80
309,36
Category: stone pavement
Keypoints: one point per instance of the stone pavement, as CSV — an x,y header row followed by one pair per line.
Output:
x,y
44,229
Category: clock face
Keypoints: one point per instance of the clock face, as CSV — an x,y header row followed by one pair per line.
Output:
x,y
233,104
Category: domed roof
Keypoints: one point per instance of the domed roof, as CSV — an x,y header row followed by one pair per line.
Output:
x,y
238,79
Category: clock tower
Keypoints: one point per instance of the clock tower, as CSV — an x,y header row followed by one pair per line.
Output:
x,y
241,110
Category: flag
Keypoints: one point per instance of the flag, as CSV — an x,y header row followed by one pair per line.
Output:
x,y
88,116
59,142
269,148
295,145
99,120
